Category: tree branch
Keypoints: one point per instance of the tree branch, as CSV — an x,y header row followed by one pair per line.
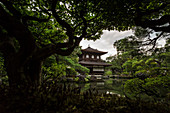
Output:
x,y
18,15
153,24
164,29
27,18
84,33
62,22
10,7
153,41
6,44
60,49
16,29
150,11
53,49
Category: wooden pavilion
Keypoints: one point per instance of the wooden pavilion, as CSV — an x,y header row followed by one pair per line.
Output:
x,y
91,58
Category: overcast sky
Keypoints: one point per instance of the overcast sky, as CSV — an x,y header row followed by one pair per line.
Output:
x,y
105,43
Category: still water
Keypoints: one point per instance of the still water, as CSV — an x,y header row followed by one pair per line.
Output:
x,y
107,86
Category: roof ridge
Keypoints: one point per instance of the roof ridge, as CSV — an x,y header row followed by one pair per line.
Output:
x,y
89,49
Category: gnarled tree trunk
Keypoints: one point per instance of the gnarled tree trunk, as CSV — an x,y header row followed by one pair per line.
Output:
x,y
24,50
27,74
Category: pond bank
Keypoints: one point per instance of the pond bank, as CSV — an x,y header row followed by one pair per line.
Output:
x,y
59,99
111,85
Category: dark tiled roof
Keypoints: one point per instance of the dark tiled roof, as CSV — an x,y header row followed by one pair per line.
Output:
x,y
94,63
89,49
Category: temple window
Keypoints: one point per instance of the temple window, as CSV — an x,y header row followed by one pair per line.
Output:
x,y
92,60
98,68
92,56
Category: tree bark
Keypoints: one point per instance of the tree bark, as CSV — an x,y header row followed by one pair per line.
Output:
x,y
35,71
27,75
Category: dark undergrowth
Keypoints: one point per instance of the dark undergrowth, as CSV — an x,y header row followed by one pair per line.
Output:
x,y
52,98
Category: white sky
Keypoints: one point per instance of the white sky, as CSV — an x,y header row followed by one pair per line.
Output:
x,y
105,43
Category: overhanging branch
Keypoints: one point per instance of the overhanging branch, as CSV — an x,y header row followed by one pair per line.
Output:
x,y
164,29
27,18
16,29
156,24
60,49
62,22
6,44
53,49
10,7
153,41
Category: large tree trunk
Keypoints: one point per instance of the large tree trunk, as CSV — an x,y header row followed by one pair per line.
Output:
x,y
22,52
35,71
26,75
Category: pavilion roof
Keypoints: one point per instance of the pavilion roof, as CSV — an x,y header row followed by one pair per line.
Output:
x,y
94,63
91,50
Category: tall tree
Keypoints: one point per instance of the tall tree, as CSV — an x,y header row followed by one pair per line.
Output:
x,y
128,48
32,30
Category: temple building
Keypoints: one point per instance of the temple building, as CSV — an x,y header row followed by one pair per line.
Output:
x,y
91,58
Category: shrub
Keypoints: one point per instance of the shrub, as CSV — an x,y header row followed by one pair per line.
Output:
x,y
108,73
155,87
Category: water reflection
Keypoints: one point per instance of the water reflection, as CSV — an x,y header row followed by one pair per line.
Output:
x,y
112,86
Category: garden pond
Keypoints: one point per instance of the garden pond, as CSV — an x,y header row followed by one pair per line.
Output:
x,y
111,85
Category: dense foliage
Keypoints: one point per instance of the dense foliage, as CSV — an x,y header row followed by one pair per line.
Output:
x,y
2,70
57,66
150,69
33,30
